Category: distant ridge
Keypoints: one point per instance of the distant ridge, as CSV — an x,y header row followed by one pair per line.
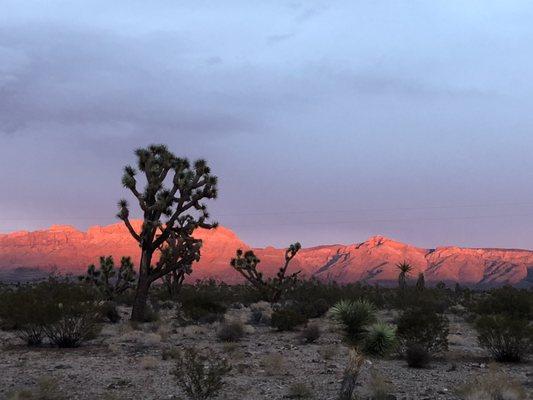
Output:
x,y
25,255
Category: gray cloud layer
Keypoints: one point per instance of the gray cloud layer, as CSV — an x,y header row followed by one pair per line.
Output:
x,y
318,107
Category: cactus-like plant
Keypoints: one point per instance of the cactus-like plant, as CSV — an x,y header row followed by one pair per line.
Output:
x,y
380,339
109,280
170,215
405,268
355,316
271,289
420,282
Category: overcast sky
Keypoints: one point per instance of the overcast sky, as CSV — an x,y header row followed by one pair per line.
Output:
x,y
326,122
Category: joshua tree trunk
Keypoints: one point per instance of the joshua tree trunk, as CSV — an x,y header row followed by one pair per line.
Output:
x,y
143,287
351,373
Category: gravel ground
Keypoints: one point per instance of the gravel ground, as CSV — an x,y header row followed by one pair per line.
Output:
x,y
123,363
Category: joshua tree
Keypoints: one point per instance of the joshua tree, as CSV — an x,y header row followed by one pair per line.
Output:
x,y
273,288
170,215
421,282
108,280
177,256
404,268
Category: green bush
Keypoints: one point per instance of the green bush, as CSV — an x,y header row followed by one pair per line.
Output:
x,y
355,316
380,339
201,305
507,301
286,319
312,308
73,314
230,331
24,311
506,338
198,375
423,327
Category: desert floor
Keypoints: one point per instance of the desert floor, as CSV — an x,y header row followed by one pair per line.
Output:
x,y
127,363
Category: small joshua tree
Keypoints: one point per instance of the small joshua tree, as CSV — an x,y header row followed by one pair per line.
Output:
x,y
177,256
110,281
404,268
271,289
170,215
420,282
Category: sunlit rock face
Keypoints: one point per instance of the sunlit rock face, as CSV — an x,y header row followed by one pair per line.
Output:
x,y
69,251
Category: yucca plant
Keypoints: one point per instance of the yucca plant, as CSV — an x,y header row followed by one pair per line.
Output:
x,y
380,339
355,316
404,268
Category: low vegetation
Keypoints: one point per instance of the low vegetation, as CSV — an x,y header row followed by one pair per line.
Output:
x,y
200,376
355,317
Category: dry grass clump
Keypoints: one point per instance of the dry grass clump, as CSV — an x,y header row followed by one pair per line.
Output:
x,y
311,333
329,352
273,364
493,385
149,362
47,389
232,331
379,388
299,390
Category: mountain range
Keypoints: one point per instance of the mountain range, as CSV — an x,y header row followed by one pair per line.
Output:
x,y
28,255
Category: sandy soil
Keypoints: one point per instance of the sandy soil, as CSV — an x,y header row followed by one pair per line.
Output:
x,y
124,363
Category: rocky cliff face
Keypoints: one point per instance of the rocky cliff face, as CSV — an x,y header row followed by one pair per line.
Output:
x,y
68,250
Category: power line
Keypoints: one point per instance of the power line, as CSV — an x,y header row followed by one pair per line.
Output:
x,y
422,219
298,212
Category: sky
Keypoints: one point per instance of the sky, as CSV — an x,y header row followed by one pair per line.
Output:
x,y
325,121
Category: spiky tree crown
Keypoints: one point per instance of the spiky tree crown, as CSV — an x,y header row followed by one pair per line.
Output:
x,y
246,263
172,205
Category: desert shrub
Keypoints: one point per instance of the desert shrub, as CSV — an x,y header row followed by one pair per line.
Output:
x,y
299,390
202,305
230,331
417,355
310,334
313,308
424,327
506,338
200,376
110,312
150,314
431,299
64,312
507,301
355,316
286,319
380,339
170,353
24,310
493,385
